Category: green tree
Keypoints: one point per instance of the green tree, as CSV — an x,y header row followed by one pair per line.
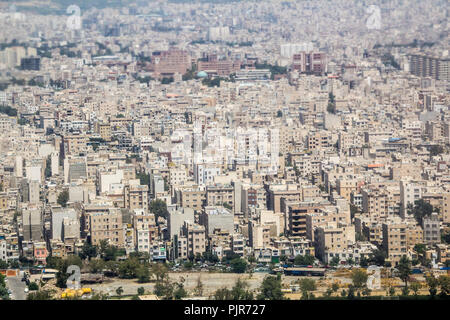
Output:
x,y
378,257
432,283
141,291
222,294
164,288
40,295
335,286
238,265
159,208
166,80
420,210
198,290
334,261
3,264
88,251
331,107
33,286
271,289
404,270
96,265
119,291
300,260
143,274
179,292
307,286
444,284
63,198
62,275
110,253
415,287
363,262
359,278
113,267
240,292
128,268
159,270
436,150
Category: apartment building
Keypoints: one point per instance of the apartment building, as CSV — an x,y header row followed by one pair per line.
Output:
x,y
107,225
395,240
136,196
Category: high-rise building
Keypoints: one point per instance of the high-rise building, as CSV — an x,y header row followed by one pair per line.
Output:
x,y
309,62
423,65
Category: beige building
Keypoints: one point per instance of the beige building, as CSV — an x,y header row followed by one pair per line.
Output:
x,y
395,240
136,197
107,226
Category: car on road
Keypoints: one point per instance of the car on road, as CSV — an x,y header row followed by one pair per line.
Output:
x,y
26,290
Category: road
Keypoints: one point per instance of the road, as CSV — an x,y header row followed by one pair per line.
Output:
x,y
17,288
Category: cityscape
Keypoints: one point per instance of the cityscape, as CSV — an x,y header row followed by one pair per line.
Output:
x,y
224,150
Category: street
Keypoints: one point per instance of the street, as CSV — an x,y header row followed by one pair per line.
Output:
x,y
17,288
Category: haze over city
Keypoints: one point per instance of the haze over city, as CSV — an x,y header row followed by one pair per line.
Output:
x,y
224,150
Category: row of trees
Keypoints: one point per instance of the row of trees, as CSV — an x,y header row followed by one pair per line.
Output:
x,y
3,291
270,289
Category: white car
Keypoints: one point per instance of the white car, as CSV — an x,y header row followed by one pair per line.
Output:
x,y
26,290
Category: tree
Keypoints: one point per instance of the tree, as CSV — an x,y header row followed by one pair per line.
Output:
x,y
112,266
166,80
420,210
271,289
420,248
335,286
96,265
198,290
240,292
143,274
62,275
335,261
307,260
119,291
3,264
222,294
331,107
279,114
141,291
436,150
63,198
88,251
359,278
363,262
40,295
159,208
238,265
128,268
159,270
351,292
415,287
378,257
179,292
33,286
353,210
307,286
110,253
404,270
432,283
164,288
444,284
